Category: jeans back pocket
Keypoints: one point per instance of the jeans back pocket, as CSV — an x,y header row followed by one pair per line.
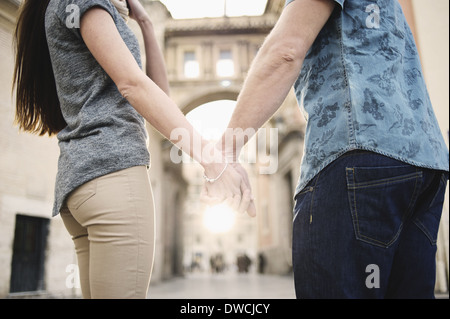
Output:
x,y
380,199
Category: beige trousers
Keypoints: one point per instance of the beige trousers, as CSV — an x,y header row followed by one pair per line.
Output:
x,y
111,221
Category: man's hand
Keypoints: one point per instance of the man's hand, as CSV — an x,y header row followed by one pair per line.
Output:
x,y
248,199
233,187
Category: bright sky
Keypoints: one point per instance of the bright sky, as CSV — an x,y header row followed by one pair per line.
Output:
x,y
211,119
187,9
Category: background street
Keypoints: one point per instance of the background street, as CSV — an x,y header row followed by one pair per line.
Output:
x,y
224,286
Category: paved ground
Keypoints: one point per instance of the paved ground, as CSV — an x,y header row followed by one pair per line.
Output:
x,y
229,286
218,286
225,286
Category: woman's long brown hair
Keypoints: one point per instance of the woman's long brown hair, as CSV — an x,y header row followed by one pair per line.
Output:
x,y
37,106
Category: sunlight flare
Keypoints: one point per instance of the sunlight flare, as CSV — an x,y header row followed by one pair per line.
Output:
x,y
219,218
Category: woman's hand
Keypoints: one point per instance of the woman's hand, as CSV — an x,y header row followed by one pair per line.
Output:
x,y
137,11
231,186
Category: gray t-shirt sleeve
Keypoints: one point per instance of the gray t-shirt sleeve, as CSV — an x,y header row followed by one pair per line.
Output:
x,y
70,12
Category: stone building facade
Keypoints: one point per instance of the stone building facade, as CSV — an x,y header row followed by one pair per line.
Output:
x,y
36,253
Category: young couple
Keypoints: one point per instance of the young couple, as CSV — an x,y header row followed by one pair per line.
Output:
x,y
375,167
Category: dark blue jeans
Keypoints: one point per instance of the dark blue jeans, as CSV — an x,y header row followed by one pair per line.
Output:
x,y
366,227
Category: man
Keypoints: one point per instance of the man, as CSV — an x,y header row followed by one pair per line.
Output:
x,y
375,168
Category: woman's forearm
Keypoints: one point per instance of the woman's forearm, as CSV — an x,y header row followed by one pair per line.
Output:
x,y
155,65
156,107
165,116
146,95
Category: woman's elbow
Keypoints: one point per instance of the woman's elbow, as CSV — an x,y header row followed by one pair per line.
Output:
x,y
129,87
125,89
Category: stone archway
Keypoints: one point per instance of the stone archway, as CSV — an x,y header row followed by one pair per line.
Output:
x,y
203,98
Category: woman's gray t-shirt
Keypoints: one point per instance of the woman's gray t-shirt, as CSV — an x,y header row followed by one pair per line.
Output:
x,y
104,133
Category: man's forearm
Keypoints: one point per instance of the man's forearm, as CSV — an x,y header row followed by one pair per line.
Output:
x,y
276,68
270,79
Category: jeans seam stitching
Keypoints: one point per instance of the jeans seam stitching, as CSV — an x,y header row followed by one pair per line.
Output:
x,y
422,227
442,183
313,190
386,181
353,209
137,232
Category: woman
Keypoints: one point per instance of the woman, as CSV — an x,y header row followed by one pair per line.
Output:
x,y
78,75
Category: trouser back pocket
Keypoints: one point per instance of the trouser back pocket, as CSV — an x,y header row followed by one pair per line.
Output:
x,y
380,198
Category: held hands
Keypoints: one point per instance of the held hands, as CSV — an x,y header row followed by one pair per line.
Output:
x,y
228,182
